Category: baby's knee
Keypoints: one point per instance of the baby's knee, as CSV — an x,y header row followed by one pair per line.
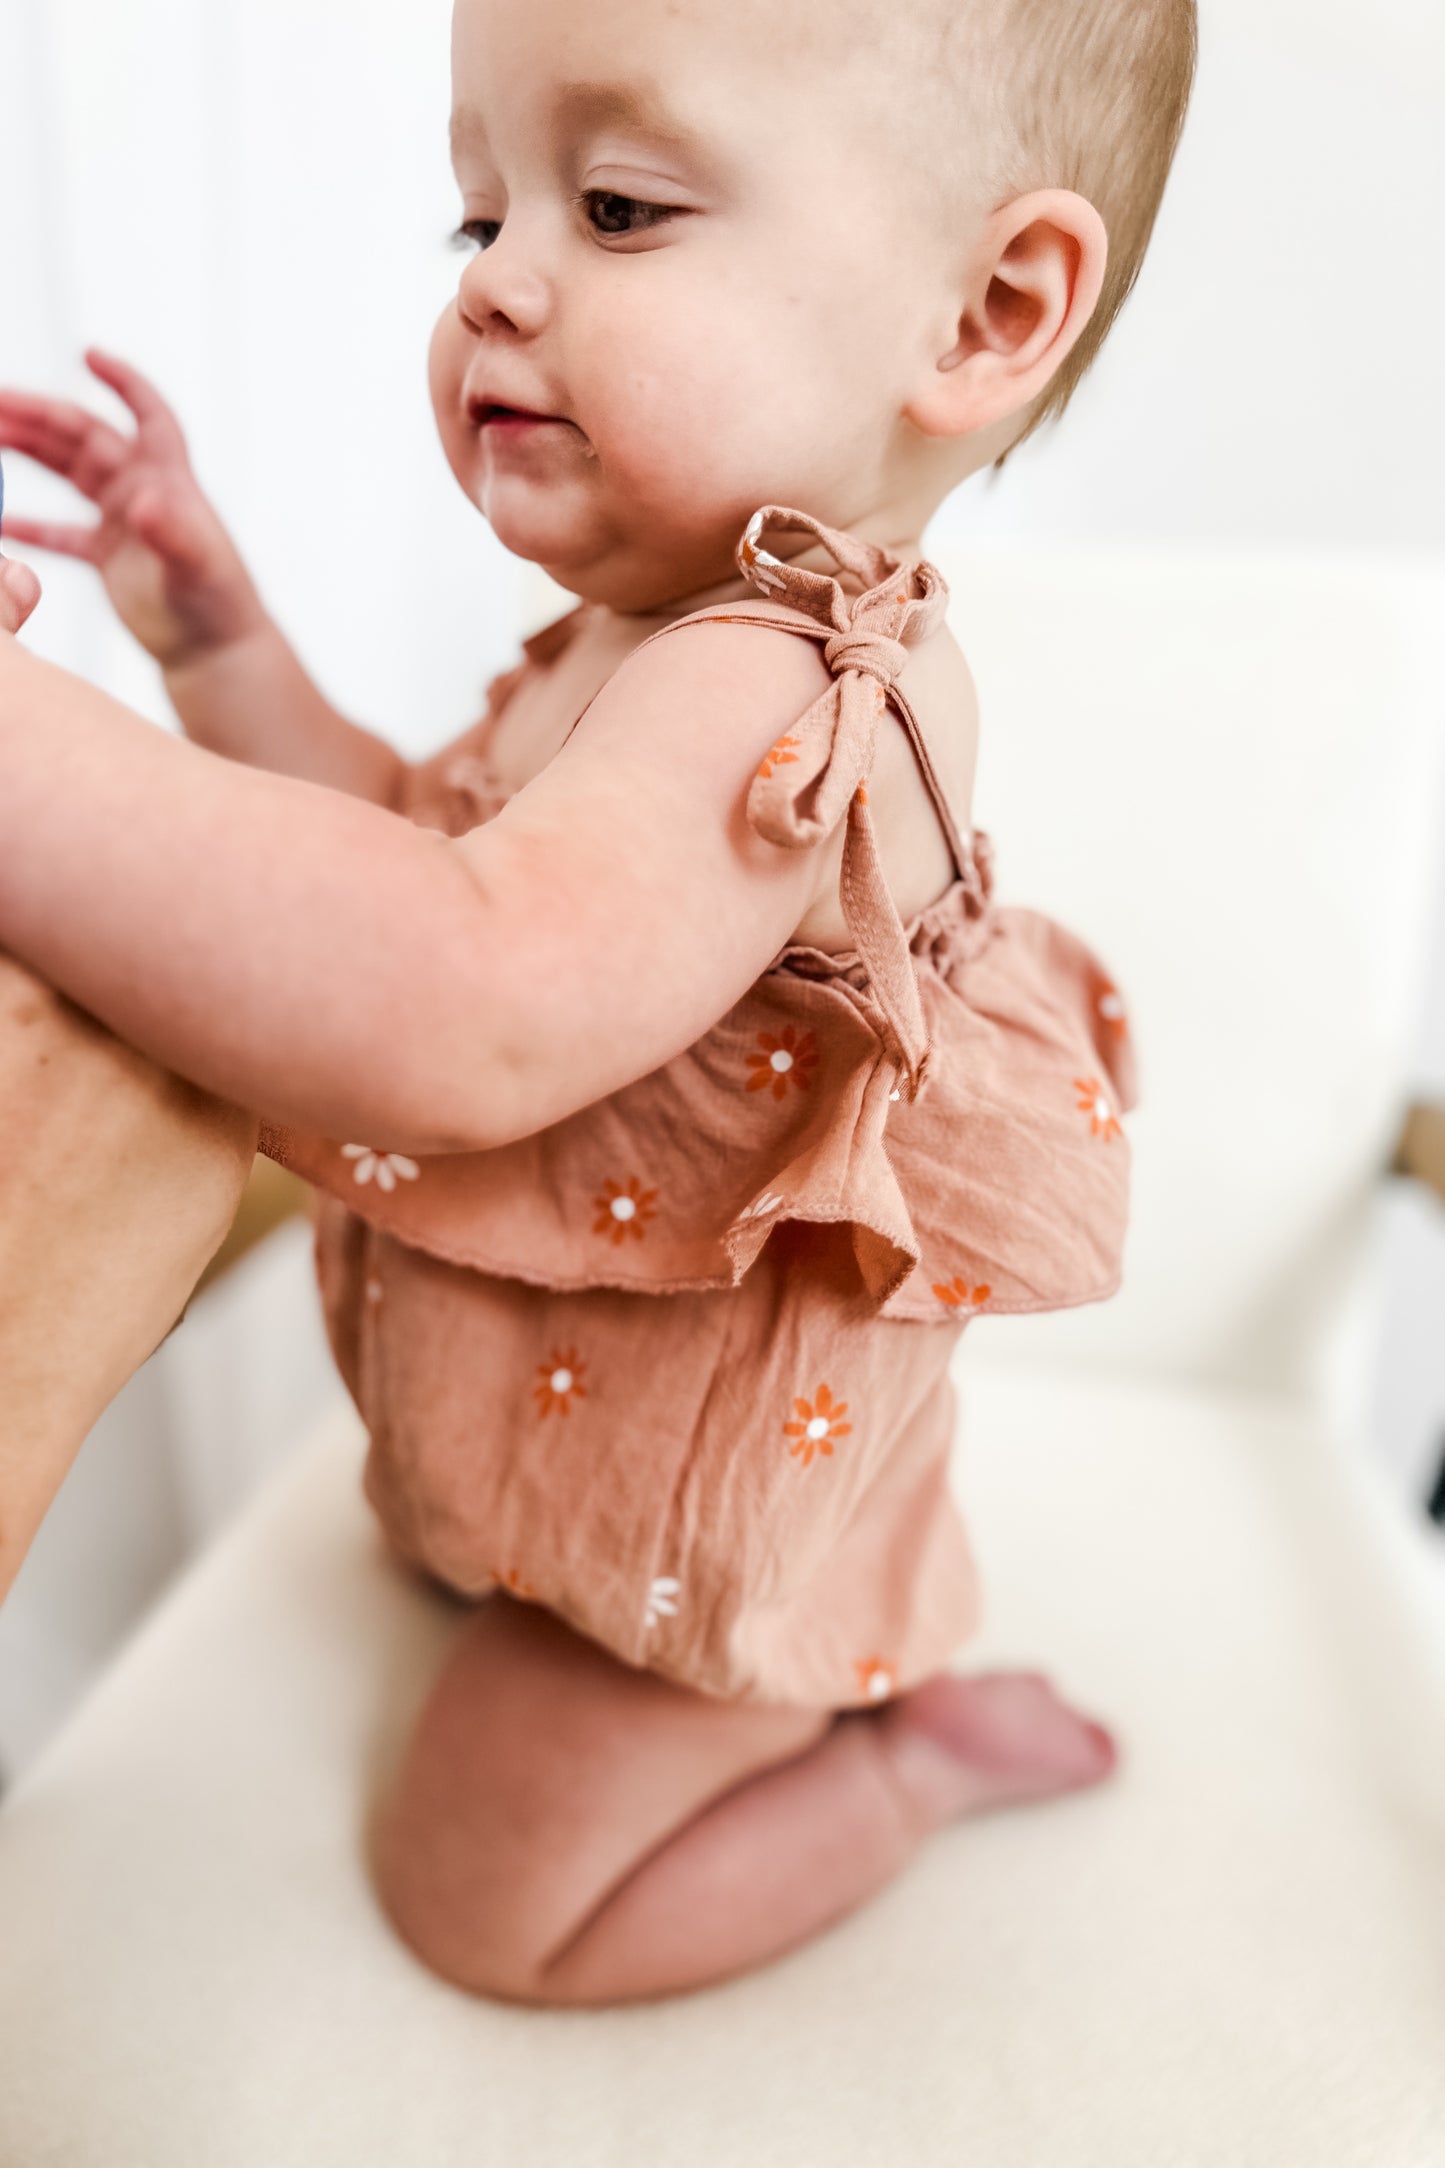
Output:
x,y
449,1927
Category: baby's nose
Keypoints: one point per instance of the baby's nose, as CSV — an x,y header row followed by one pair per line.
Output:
x,y
503,284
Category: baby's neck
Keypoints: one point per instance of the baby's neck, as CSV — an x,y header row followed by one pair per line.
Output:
x,y
812,558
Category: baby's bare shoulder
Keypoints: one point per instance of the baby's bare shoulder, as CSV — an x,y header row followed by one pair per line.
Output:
x,y
711,689
751,660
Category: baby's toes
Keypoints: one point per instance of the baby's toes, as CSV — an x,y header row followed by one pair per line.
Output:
x,y
967,1744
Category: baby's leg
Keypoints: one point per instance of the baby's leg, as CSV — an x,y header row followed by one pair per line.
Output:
x,y
567,1830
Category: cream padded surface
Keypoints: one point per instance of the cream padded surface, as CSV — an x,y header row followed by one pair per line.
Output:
x,y
1228,774
1229,1958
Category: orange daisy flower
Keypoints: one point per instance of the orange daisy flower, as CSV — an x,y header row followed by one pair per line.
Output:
x,y
958,1295
783,755
817,1425
793,1055
624,1211
876,1679
559,1382
1102,1122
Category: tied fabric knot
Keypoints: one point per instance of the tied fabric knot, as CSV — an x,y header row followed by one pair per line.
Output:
x,y
815,776
874,653
809,780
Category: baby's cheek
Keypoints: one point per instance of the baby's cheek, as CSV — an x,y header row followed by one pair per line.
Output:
x,y
446,373
666,411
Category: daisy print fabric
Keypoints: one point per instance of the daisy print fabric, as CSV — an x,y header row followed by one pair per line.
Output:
x,y
386,1169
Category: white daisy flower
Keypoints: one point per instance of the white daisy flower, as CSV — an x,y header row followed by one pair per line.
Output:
x,y
382,1167
662,1599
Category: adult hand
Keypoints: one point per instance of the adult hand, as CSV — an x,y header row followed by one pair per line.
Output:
x,y
118,1182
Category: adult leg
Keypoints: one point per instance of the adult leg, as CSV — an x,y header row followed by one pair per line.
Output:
x,y
118,1182
567,1830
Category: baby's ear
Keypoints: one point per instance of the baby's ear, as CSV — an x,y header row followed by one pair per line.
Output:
x,y
1033,282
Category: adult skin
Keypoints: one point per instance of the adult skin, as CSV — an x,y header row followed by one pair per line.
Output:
x,y
118,1182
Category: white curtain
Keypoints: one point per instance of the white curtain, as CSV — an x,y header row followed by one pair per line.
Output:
x,y
249,199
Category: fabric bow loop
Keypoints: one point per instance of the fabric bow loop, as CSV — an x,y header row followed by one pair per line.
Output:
x,y
806,783
815,775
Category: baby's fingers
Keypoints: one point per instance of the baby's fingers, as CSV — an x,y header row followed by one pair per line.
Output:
x,y
19,593
84,451
156,417
169,522
49,534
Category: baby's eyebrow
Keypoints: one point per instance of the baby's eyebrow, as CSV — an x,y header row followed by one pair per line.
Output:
x,y
635,106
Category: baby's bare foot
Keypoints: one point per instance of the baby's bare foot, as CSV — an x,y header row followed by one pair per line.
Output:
x,y
962,1745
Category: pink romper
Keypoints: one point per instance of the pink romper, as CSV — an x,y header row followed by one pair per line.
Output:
x,y
677,1366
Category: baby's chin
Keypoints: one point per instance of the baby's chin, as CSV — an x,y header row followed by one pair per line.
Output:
x,y
624,565
551,529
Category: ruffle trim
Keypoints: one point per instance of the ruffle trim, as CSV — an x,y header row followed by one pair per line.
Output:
x,y
1003,1187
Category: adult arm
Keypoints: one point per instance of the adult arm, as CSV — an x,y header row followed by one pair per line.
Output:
x,y
117,1184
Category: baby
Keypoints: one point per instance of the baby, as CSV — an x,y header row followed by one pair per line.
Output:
x,y
674,1088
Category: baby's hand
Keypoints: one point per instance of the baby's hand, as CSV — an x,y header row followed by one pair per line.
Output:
x,y
171,570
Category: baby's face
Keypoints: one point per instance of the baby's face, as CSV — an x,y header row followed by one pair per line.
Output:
x,y
691,254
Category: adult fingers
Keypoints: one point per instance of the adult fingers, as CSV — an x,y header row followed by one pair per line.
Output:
x,y
19,593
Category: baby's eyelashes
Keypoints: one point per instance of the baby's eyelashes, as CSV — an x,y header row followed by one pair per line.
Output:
x,y
618,206
469,234
615,212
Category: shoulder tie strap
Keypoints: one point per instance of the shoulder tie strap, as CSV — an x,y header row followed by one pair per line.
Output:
x,y
816,774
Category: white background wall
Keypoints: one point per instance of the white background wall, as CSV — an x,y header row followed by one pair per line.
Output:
x,y
249,198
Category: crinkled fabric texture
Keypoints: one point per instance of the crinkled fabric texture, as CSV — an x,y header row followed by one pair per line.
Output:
x,y
677,1366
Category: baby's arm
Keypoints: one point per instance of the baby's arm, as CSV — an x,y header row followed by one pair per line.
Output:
x,y
251,700
179,585
328,965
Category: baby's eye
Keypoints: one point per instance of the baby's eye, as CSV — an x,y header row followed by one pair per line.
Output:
x,y
476,233
611,207
613,220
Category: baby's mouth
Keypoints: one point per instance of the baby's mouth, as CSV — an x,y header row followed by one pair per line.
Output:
x,y
493,416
